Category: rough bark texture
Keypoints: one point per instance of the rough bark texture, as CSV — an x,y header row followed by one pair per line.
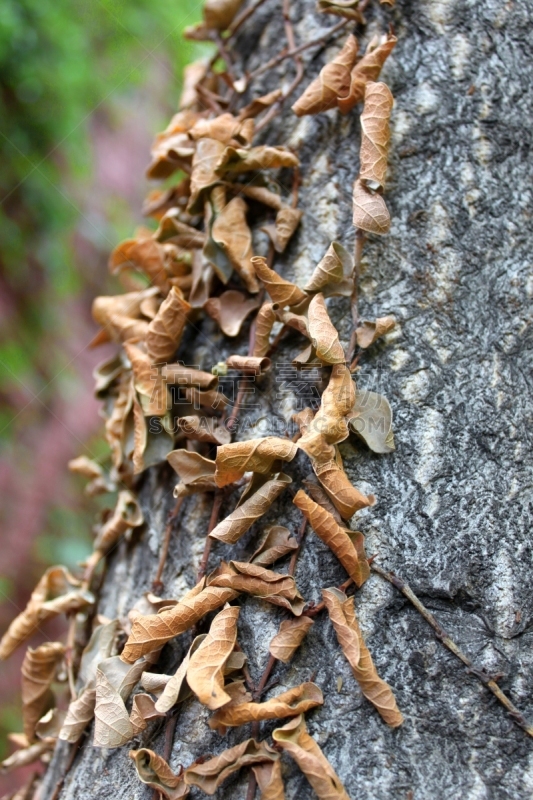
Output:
x,y
454,500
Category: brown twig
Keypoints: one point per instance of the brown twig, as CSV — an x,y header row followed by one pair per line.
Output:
x,y
157,584
239,21
360,237
300,539
441,634
314,610
213,521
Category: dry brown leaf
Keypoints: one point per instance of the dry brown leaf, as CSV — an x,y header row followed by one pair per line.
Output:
x,y
238,160
281,291
371,330
58,592
332,269
172,149
210,775
126,516
332,83
177,688
203,429
27,755
219,14
150,446
180,375
264,323
323,333
334,536
80,713
213,400
193,74
142,711
288,639
165,330
370,212
295,740
151,631
158,201
197,474
251,365
258,193
38,672
252,455
341,8
275,588
345,497
143,254
276,543
256,503
203,176
183,235
297,322
154,682
99,482
320,496
342,614
286,222
107,373
120,314
225,128
375,138
205,673
260,104
367,69
114,683
269,780
230,310
154,771
335,404
371,419
116,422
288,704
148,381
230,241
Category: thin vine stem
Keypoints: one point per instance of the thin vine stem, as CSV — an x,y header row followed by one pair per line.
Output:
x,y
157,584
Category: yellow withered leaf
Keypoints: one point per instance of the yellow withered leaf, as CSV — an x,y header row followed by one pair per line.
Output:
x,y
342,614
205,672
259,104
196,473
264,322
275,588
238,160
146,255
38,672
370,212
323,333
126,516
177,687
332,83
173,149
269,780
252,505
154,771
338,539
58,592
148,380
288,639
251,365
203,176
150,631
295,740
371,419
375,138
367,69
203,429
230,310
276,543
210,775
225,128
231,240
332,268
252,455
281,291
165,330
371,330
288,704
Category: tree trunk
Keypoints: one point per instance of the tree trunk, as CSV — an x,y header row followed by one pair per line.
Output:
x,y
453,501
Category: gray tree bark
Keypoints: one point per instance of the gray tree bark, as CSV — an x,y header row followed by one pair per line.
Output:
x,y
454,500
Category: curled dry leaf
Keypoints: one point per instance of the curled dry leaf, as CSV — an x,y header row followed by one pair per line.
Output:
x,y
264,322
231,241
154,682
203,429
230,310
295,740
256,158
27,755
370,212
172,149
144,254
154,771
371,330
142,711
288,704
196,473
225,128
252,455
342,614
371,419
345,497
286,222
80,713
114,683
188,376
56,593
288,639
280,590
249,364
332,269
235,525
116,422
213,400
126,516
341,8
323,333
338,539
219,14
203,176
210,775
269,780
375,139
276,543
367,69
260,104
151,631
177,688
332,83
99,482
205,673
336,402
38,672
319,495
148,381
258,193
281,291
165,330
181,234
